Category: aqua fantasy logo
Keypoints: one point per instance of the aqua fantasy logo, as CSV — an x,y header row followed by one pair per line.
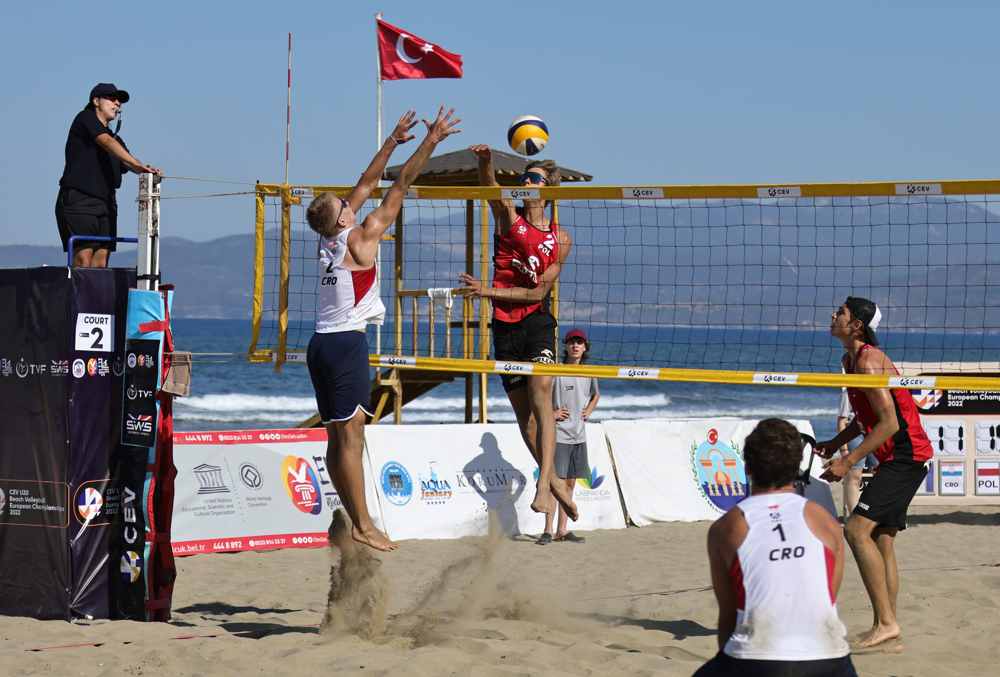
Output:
x,y
718,471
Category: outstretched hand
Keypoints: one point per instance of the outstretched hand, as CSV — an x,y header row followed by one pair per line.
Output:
x,y
470,285
401,132
481,151
443,126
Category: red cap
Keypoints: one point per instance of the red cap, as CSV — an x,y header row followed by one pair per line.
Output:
x,y
575,333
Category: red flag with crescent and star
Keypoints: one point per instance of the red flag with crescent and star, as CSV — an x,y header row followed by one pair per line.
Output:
x,y
405,56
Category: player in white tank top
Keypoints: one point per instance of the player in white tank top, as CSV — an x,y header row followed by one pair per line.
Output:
x,y
348,301
777,561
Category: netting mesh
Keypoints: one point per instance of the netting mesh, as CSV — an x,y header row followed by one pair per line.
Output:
x,y
743,284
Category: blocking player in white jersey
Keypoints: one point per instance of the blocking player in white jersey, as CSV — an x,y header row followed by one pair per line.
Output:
x,y
348,302
777,561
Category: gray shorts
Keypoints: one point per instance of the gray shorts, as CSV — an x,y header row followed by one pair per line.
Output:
x,y
571,461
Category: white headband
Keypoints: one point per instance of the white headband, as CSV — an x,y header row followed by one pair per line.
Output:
x,y
876,319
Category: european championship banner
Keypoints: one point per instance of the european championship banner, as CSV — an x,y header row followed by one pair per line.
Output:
x,y
430,490
255,490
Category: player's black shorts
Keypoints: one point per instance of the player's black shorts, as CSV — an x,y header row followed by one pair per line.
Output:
x,y
887,496
530,340
80,214
338,367
724,665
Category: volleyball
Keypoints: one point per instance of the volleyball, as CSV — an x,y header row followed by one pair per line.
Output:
x,y
528,135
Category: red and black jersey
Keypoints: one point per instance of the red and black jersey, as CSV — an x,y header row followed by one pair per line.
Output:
x,y
520,257
910,441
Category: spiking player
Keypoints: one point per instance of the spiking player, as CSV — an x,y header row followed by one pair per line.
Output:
x,y
348,302
529,253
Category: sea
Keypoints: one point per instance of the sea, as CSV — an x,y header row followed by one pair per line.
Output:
x,y
228,392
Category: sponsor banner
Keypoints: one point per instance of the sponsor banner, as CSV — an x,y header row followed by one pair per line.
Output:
x,y
142,371
254,490
961,402
779,191
427,491
686,470
952,479
988,478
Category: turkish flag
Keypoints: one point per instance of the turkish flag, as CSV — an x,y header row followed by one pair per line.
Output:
x,y
404,56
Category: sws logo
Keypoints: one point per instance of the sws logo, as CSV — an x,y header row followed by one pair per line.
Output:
x,y
141,424
301,484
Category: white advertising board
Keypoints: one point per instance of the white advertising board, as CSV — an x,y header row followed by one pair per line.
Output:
x,y
688,470
443,481
254,490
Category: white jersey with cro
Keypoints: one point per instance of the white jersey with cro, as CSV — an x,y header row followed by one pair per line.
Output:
x,y
348,299
783,574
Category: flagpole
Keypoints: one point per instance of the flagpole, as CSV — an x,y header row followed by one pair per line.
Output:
x,y
378,146
288,108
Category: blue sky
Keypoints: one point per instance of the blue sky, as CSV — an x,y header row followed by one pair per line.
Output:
x,y
633,92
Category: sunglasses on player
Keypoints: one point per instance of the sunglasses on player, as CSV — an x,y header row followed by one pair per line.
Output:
x,y
534,178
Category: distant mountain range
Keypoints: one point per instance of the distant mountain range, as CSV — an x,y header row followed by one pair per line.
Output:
x,y
213,278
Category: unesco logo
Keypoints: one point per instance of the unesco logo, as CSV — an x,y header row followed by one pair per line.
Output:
x,y
251,477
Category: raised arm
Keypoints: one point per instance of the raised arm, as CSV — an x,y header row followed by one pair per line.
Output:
x,y
369,180
504,211
363,244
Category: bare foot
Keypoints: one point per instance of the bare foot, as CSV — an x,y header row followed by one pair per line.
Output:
x,y
373,538
559,491
543,503
877,635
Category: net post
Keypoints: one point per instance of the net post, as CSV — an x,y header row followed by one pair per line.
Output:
x,y
398,263
554,301
148,254
283,274
260,211
470,256
484,308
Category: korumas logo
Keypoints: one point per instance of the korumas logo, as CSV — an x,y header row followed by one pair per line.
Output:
x,y
718,471
433,489
593,482
301,484
396,483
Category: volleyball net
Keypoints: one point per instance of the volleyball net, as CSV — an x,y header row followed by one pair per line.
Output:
x,y
732,284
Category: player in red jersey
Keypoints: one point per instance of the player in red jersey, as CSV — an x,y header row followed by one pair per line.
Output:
x,y
528,254
891,426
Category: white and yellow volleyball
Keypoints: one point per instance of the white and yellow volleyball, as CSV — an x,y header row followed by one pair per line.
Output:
x,y
528,135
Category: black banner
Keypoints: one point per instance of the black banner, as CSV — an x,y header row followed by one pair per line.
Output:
x,y
141,370
960,402
35,352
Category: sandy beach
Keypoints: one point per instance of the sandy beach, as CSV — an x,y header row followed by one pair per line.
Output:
x,y
627,602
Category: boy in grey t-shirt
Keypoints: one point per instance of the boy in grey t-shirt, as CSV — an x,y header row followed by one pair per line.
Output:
x,y
573,400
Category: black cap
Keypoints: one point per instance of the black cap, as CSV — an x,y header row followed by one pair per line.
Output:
x,y
107,90
869,314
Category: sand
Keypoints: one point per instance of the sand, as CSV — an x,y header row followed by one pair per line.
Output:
x,y
626,602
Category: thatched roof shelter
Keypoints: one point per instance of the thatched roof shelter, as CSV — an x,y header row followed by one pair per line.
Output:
x,y
460,168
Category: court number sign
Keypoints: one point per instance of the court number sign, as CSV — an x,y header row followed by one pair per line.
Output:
x,y
95,332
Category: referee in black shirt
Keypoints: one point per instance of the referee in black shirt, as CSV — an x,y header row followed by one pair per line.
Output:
x,y
96,158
